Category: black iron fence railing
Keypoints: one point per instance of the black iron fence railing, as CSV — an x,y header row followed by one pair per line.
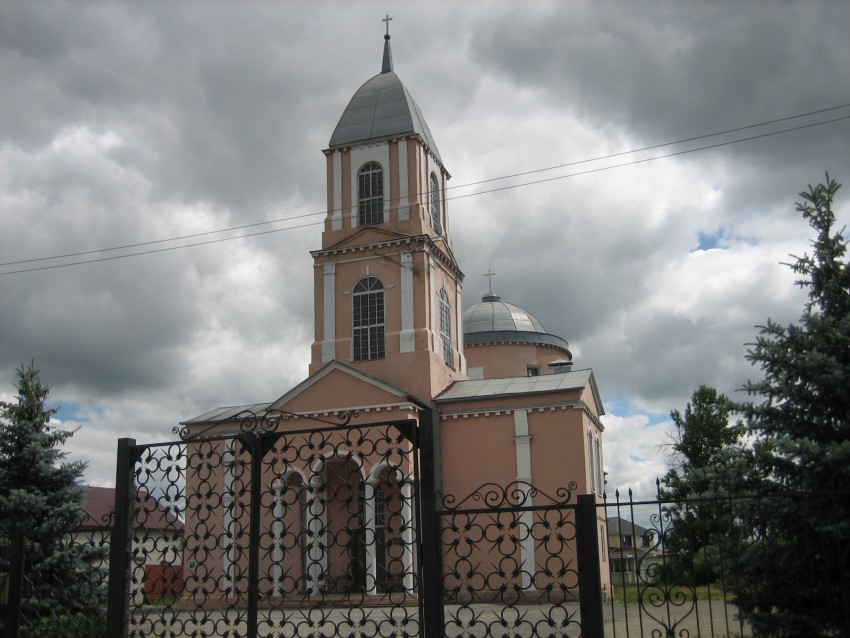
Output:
x,y
339,531
684,568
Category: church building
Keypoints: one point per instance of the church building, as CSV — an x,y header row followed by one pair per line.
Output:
x,y
391,337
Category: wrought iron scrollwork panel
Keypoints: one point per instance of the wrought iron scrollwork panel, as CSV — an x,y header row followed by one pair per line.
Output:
x,y
509,562
662,587
314,530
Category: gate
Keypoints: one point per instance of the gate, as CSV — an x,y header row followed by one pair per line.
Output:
x,y
309,532
336,530
520,562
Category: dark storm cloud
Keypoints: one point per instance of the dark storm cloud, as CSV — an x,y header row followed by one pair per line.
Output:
x,y
664,69
137,122
667,72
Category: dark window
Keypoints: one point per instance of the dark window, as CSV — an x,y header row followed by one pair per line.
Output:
x,y
435,204
368,319
446,328
370,190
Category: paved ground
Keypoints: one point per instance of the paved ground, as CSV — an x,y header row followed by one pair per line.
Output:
x,y
707,619
710,619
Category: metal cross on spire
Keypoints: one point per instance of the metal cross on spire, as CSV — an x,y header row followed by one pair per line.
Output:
x,y
387,20
490,274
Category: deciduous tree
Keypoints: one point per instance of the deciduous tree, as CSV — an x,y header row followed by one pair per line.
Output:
x,y
696,520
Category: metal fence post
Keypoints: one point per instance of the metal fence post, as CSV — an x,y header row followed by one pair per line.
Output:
x,y
589,577
429,525
117,610
255,447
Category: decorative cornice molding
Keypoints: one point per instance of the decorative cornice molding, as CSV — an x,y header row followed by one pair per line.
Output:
x,y
408,240
388,407
445,415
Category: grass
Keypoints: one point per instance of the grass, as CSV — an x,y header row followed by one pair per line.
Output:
x,y
630,593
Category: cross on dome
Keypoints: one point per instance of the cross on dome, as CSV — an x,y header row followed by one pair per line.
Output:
x,y
490,274
387,20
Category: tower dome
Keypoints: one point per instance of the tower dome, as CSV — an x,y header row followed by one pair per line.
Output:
x,y
494,321
382,109
503,340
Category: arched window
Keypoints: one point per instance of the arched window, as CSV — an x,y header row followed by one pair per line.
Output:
x,y
446,328
370,189
368,319
600,474
435,204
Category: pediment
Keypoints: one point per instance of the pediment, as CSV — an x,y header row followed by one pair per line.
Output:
x,y
339,387
366,236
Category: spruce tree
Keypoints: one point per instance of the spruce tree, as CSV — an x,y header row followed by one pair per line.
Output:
x,y
792,575
41,496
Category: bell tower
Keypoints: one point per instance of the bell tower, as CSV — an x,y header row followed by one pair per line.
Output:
x,y
387,287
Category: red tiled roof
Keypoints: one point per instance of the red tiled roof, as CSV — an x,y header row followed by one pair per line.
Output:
x,y
98,503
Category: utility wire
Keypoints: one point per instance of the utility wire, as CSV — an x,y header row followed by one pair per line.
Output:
x,y
484,192
652,159
485,181
655,146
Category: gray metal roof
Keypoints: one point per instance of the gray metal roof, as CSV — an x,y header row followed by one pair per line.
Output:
x,y
494,315
382,108
494,321
480,388
221,415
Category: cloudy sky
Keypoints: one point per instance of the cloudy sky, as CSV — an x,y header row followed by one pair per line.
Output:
x,y
125,125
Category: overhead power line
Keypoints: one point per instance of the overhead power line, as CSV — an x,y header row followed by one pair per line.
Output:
x,y
452,197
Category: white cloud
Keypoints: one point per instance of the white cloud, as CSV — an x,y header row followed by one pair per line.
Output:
x,y
137,122
634,455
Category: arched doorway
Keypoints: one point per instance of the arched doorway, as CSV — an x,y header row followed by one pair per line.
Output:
x,y
391,522
338,514
289,536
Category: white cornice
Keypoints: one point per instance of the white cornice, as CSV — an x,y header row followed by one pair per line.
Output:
x,y
447,260
545,407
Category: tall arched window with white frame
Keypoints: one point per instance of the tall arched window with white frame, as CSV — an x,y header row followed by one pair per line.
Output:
x,y
446,328
600,474
370,195
435,204
368,319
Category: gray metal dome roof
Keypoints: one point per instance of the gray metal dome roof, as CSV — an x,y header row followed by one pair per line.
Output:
x,y
382,108
493,314
494,321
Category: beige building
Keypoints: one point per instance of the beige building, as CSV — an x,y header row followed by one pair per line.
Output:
x,y
391,337
156,536
634,552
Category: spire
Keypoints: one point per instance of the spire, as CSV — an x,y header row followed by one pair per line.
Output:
x,y
387,66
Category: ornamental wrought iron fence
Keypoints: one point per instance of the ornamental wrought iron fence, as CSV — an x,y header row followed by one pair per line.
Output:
x,y
340,530
668,582
518,561
685,568
260,532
